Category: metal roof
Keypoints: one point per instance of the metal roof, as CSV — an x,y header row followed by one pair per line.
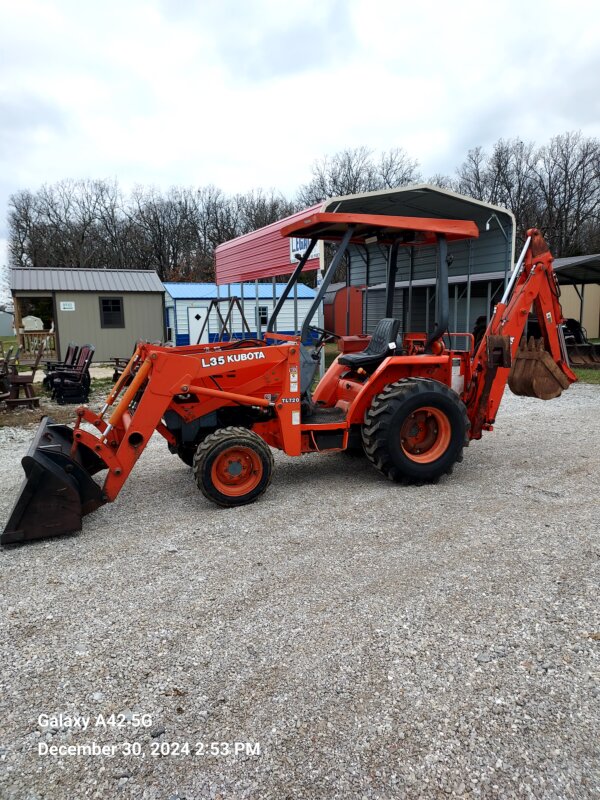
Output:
x,y
40,279
578,269
208,291
261,254
265,253
421,200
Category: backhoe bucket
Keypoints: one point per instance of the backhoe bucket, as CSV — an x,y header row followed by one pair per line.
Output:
x,y
58,489
534,372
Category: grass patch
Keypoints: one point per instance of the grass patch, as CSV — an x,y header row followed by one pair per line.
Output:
x,y
102,383
331,353
588,376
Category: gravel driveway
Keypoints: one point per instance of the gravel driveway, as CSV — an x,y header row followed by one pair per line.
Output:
x,y
374,641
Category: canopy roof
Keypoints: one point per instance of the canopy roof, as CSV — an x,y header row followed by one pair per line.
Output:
x,y
382,228
578,269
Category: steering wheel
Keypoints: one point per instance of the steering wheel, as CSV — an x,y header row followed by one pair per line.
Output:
x,y
326,336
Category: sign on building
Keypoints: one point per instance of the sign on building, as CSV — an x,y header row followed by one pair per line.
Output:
x,y
299,246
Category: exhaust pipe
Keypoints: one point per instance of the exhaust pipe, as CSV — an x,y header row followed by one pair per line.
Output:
x,y
58,489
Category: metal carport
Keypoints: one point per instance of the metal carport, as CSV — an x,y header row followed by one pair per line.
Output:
x,y
478,272
580,272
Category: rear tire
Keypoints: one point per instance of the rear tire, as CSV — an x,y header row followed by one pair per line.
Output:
x,y
415,430
233,466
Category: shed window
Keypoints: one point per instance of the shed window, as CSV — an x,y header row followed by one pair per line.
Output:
x,y
111,312
263,315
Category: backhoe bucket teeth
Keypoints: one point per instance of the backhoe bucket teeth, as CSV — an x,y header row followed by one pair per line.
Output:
x,y
58,489
534,372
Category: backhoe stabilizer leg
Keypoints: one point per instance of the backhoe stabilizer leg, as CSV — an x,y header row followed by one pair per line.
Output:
x,y
58,489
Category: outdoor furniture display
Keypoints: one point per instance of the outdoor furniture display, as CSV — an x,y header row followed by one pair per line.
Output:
x,y
120,364
29,342
72,384
52,367
6,361
20,388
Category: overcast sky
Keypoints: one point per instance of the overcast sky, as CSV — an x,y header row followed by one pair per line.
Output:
x,y
249,93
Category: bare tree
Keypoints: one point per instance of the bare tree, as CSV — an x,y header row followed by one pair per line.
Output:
x,y
396,168
258,208
90,223
568,175
354,170
555,187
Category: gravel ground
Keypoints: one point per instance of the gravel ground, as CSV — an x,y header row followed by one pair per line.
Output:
x,y
375,641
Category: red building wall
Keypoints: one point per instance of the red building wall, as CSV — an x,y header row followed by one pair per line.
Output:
x,y
264,253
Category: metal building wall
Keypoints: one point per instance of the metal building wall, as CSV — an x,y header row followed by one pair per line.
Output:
x,y
490,253
285,321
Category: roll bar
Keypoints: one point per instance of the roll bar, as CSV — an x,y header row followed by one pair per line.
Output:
x,y
442,301
288,287
326,281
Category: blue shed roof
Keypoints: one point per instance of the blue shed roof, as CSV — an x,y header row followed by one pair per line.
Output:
x,y
208,291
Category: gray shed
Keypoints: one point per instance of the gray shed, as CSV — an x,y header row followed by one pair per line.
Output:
x,y
109,308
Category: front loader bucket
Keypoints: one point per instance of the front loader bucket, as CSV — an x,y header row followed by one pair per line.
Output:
x,y
58,488
595,354
534,372
584,355
576,358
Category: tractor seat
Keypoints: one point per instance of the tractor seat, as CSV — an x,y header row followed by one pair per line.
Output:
x,y
370,358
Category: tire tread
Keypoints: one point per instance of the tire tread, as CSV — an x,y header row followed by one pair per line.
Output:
x,y
378,418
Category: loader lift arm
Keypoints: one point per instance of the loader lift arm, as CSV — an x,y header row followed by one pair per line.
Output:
x,y
500,355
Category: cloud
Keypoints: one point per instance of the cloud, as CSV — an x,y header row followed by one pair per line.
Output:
x,y
250,94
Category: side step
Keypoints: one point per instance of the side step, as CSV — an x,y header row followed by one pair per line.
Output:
x,y
319,415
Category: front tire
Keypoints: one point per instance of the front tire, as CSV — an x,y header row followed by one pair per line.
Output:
x,y
233,466
415,430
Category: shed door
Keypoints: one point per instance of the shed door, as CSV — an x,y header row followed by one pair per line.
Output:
x,y
196,317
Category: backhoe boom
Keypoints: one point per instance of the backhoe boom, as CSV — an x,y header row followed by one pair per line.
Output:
x,y
499,354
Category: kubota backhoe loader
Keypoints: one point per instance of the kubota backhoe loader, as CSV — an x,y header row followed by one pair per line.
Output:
x,y
223,406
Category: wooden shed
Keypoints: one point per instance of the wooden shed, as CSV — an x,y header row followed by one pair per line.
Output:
x,y
109,308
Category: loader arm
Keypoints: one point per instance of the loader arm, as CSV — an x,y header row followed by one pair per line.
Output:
x,y
542,370
190,382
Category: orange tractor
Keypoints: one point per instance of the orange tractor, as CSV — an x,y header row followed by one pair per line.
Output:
x,y
411,403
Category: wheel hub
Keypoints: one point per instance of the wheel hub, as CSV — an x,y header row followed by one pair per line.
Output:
x,y
425,434
236,470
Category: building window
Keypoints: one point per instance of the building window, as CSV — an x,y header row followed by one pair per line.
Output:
x,y
111,312
263,315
